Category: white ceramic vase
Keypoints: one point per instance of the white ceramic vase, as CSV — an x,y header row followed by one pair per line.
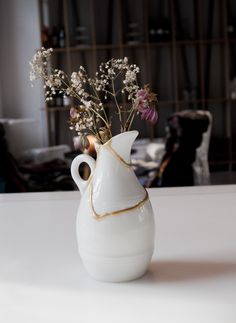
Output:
x,y
115,222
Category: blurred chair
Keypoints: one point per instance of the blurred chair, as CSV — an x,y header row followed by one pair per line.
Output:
x,y
185,161
201,165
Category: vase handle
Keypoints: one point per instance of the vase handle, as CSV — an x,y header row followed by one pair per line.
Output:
x,y
77,161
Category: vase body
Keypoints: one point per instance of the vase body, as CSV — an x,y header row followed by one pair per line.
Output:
x,y
115,221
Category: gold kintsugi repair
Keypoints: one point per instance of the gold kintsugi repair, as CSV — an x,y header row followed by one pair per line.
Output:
x,y
117,212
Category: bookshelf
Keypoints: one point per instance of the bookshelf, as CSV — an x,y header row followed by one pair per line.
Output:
x,y
185,49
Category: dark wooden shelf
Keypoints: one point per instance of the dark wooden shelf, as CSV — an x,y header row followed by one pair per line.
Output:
x,y
60,50
54,109
210,100
182,52
141,44
164,102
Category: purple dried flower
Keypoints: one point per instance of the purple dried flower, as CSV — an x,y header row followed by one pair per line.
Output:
x,y
73,113
142,94
149,114
147,105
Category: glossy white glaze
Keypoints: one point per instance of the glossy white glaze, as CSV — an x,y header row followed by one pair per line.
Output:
x,y
117,247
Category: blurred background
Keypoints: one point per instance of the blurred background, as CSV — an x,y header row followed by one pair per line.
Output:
x,y
186,52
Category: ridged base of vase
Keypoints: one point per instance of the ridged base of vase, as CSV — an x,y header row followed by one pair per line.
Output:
x,y
116,269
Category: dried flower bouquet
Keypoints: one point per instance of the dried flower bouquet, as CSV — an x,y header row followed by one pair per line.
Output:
x,y
115,78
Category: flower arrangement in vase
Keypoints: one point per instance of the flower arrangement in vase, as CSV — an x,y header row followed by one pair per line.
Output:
x,y
115,222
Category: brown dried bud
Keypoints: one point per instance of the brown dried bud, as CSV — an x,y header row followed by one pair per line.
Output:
x,y
104,134
81,142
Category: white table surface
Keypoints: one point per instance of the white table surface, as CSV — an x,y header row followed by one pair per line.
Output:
x,y
192,277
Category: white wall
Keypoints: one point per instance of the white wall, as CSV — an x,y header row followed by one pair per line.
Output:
x,y
20,37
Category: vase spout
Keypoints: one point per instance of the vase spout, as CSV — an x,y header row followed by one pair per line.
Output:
x,y
122,144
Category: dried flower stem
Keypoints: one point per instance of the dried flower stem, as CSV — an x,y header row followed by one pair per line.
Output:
x,y
117,105
103,109
80,99
130,118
